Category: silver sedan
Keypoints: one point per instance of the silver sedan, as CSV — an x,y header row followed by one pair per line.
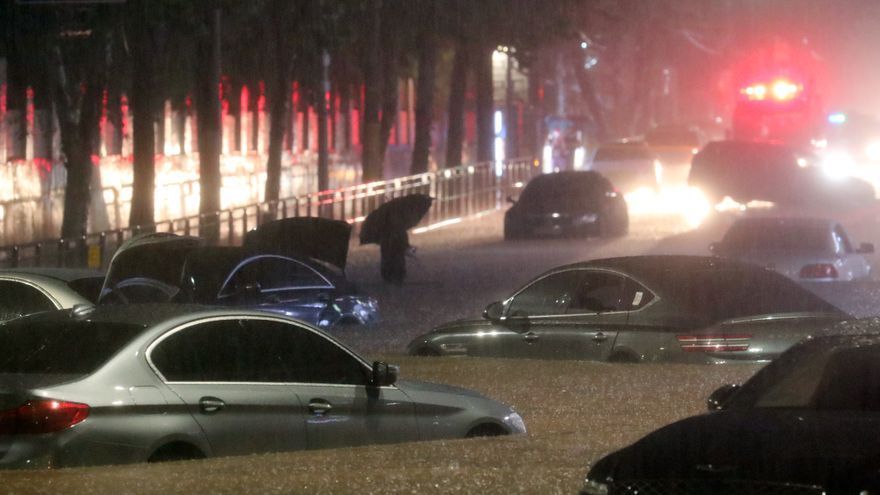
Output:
x,y
132,383
25,291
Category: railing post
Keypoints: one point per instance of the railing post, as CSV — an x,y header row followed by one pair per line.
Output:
x,y
102,245
230,224
62,246
15,254
38,254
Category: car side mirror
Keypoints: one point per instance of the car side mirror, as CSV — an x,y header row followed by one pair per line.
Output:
x,y
865,248
384,374
494,311
720,396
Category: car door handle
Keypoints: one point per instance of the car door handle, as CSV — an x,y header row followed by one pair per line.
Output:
x,y
600,337
319,407
531,337
210,405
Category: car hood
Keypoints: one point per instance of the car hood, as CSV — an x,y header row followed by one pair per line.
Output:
x,y
793,446
320,238
463,324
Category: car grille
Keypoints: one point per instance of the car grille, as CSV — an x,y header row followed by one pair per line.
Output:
x,y
718,487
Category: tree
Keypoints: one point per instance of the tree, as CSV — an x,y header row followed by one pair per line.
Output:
x,y
141,101
209,130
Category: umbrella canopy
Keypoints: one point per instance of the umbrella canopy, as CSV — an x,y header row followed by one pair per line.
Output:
x,y
319,238
401,213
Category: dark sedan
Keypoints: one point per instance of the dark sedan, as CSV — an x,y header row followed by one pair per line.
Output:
x,y
805,424
567,203
642,308
267,275
133,383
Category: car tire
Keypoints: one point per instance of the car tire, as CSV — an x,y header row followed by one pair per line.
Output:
x,y
623,357
426,352
486,430
512,233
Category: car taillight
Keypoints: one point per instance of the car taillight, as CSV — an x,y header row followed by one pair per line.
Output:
x,y
714,343
42,416
819,270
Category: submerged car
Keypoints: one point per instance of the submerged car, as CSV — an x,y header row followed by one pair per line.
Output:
x,y
690,309
25,291
806,423
746,171
135,383
286,267
802,249
567,203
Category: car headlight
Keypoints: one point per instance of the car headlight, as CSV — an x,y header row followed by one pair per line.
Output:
x,y
515,422
593,487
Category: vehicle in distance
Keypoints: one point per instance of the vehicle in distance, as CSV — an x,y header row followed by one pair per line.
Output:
x,y
806,424
689,309
630,165
24,291
133,383
802,249
746,171
675,147
266,273
567,203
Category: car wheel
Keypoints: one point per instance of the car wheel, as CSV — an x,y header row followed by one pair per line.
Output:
x,y
178,451
486,430
623,357
427,352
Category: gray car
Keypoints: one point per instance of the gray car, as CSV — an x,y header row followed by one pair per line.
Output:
x,y
130,383
802,249
25,291
690,309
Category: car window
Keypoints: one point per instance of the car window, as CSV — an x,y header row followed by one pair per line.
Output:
x,y
17,299
776,235
842,379
273,273
256,351
551,295
600,291
841,241
65,347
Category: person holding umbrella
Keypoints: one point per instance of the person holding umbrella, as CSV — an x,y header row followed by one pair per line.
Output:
x,y
387,226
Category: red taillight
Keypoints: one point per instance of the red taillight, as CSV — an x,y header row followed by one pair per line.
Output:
x,y
42,416
714,343
819,270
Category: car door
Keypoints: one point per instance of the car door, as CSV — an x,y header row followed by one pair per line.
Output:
x,y
235,389
854,264
278,284
560,316
341,407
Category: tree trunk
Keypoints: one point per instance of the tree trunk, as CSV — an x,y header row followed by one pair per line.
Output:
x,y
178,122
323,152
485,104
370,140
457,94
16,94
114,119
209,129
254,109
345,110
143,131
424,102
277,92
390,49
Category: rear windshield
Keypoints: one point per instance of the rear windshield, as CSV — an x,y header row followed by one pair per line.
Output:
x,y
561,190
777,236
61,347
620,153
718,295
89,288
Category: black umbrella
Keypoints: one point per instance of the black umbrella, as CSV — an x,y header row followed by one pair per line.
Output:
x,y
401,213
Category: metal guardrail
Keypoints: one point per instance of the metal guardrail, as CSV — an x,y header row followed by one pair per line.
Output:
x,y
457,192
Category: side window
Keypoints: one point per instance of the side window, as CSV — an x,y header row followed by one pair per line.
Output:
x,y
841,241
295,354
273,273
21,299
635,296
598,292
206,352
551,295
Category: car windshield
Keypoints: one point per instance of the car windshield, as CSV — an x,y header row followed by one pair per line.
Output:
x,y
778,235
622,153
564,190
61,347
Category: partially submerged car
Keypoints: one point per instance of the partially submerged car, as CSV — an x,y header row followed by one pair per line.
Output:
x,y
294,267
136,383
629,165
25,291
802,249
567,203
689,309
805,423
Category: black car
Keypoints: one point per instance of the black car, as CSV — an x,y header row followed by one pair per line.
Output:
x,y
567,203
293,267
746,171
690,309
808,423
